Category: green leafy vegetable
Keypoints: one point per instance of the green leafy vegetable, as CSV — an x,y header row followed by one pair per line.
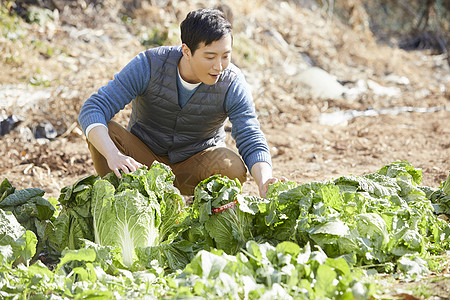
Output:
x,y
440,197
32,211
133,238
17,243
216,209
126,219
74,222
141,210
370,219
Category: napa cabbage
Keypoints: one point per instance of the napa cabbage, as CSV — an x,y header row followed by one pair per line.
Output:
x,y
216,217
16,243
440,197
141,210
126,219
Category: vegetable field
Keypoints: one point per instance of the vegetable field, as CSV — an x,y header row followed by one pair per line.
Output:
x,y
134,237
350,223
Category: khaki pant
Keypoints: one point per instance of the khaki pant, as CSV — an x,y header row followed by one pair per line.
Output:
x,y
188,173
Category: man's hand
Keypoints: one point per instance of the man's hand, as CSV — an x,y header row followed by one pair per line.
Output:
x,y
117,161
265,187
262,173
122,162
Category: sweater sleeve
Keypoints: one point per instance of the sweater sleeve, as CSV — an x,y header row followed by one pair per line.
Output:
x,y
250,140
130,82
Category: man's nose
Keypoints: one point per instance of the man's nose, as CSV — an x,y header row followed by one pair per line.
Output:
x,y
218,65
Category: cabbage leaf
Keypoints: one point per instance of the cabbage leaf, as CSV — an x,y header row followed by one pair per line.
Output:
x,y
126,219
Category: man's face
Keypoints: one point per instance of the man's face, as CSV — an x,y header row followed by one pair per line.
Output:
x,y
208,62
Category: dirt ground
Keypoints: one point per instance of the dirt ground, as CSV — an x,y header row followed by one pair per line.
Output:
x,y
51,68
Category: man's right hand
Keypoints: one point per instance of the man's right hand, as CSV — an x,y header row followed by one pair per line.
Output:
x,y
100,139
122,162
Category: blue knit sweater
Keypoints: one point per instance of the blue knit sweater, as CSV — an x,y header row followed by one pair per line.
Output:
x,y
133,80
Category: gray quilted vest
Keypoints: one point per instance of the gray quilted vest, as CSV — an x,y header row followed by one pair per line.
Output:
x,y
169,130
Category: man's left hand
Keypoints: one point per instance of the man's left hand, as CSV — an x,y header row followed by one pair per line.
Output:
x,y
265,187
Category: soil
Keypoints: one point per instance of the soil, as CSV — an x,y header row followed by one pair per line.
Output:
x,y
52,68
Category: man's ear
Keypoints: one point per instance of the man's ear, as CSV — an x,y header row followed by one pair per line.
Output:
x,y
186,51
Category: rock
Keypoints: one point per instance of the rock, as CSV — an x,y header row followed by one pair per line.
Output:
x,y
401,80
383,90
359,88
321,84
8,123
44,130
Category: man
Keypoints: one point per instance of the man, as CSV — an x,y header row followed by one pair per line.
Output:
x,y
182,97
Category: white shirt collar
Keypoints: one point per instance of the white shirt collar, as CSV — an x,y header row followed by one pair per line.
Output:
x,y
187,85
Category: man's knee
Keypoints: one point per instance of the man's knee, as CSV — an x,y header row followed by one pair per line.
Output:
x,y
229,163
213,161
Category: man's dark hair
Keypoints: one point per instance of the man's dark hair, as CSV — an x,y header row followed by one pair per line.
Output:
x,y
204,25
